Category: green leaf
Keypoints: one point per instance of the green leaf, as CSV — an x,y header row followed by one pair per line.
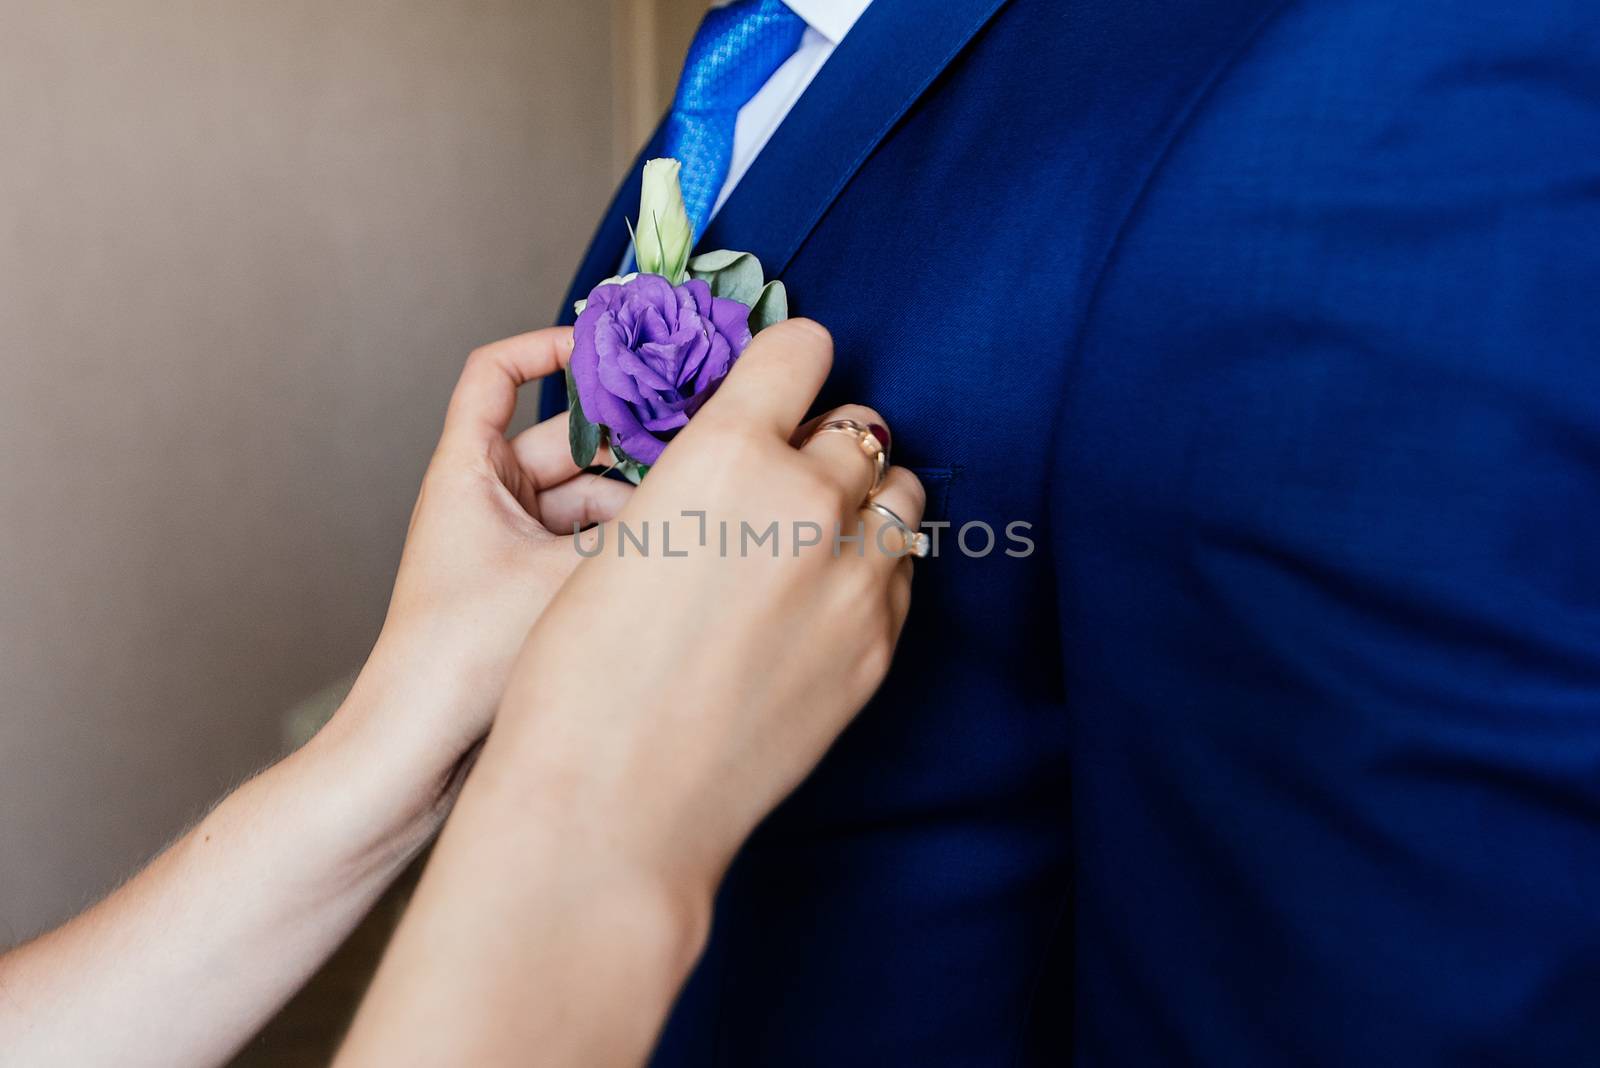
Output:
x,y
734,275
771,307
712,262
582,435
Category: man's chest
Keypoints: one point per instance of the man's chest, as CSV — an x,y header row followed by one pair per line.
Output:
x,y
958,265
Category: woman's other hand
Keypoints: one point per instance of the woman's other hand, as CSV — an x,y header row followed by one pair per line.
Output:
x,y
490,541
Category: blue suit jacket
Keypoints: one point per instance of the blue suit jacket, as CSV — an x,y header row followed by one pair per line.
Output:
x,y
1281,322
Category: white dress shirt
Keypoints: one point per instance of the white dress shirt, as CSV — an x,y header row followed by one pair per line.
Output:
x,y
827,21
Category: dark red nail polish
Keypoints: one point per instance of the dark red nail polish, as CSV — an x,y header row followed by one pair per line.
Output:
x,y
880,432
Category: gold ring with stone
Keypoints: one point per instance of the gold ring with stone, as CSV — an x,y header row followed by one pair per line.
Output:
x,y
871,447
916,542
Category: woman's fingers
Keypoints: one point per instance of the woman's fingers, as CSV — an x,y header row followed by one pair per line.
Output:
x,y
775,381
903,495
544,453
851,459
900,595
581,502
485,397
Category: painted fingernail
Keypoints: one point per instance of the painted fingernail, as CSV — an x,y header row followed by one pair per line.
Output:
x,y
880,432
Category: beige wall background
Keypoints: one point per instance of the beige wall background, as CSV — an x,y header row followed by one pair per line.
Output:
x,y
243,249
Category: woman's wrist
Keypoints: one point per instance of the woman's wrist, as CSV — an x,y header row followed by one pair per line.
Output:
x,y
516,900
379,778
357,824
603,817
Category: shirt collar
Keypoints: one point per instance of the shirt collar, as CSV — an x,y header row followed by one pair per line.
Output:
x,y
831,18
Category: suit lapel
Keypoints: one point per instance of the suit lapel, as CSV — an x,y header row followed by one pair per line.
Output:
x,y
890,57
879,70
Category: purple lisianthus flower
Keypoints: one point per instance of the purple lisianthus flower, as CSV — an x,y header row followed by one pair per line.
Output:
x,y
647,354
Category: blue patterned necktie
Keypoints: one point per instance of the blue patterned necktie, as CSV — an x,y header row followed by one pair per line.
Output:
x,y
737,48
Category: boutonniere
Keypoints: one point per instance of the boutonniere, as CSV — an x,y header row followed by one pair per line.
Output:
x,y
649,348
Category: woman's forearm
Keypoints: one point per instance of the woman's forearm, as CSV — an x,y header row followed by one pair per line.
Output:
x,y
539,933
182,964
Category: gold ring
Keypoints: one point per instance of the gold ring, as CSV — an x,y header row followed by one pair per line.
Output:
x,y
916,542
868,442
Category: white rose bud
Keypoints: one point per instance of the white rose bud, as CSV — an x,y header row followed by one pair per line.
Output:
x,y
663,240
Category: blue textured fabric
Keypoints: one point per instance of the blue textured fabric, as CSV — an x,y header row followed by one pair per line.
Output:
x,y
1279,321
736,50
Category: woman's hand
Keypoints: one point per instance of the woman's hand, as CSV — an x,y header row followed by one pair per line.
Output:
x,y
709,684
665,702
489,544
